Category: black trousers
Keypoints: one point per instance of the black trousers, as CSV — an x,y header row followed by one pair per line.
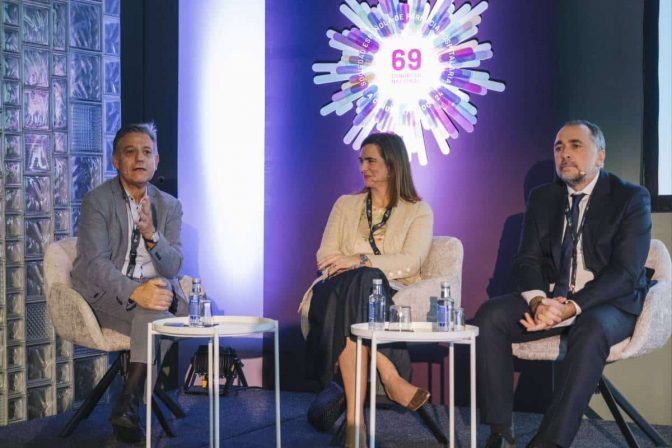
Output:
x,y
589,340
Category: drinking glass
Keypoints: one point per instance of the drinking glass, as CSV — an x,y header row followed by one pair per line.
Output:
x,y
459,319
400,318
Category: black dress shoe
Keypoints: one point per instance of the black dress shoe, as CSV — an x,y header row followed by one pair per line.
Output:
x,y
327,406
498,441
125,419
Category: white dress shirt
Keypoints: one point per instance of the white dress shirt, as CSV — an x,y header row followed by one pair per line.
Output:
x,y
144,267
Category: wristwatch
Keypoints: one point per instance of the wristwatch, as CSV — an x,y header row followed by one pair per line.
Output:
x,y
154,239
363,260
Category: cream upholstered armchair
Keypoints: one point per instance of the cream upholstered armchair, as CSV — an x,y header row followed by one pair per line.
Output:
x,y
444,263
652,330
74,321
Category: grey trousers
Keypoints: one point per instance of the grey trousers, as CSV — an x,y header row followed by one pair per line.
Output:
x,y
134,324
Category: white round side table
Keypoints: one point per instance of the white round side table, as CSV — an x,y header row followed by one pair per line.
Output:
x,y
422,332
224,326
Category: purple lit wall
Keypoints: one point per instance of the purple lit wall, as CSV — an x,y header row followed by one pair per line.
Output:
x,y
476,192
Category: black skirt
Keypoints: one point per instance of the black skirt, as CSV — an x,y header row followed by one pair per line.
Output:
x,y
337,303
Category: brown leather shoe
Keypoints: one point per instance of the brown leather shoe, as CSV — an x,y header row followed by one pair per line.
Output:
x,y
420,398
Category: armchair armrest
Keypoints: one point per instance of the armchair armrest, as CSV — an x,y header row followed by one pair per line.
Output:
x,y
74,321
654,325
417,297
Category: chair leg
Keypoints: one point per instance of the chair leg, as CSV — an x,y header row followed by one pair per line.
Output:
x,y
636,417
92,400
169,402
162,418
620,421
165,398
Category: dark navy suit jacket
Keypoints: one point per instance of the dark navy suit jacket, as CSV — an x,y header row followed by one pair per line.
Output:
x,y
616,240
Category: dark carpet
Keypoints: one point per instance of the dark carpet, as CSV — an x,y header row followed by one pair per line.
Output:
x,y
247,420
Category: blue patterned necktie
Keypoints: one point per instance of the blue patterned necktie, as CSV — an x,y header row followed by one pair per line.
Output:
x,y
567,252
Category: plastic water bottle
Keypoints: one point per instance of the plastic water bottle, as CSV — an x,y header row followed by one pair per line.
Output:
x,y
450,306
377,306
196,286
195,304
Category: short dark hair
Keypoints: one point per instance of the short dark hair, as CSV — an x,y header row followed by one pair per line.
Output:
x,y
394,153
148,129
595,131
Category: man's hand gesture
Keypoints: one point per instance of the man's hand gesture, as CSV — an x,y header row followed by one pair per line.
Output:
x,y
155,294
145,224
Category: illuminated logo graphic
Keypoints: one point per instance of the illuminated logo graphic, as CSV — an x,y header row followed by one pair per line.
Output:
x,y
408,68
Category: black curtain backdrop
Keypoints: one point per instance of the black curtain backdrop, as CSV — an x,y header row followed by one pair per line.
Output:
x,y
149,58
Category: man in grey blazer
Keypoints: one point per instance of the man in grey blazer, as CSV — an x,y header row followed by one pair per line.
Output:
x,y
128,257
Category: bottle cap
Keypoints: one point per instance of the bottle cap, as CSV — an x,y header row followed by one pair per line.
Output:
x,y
445,284
377,281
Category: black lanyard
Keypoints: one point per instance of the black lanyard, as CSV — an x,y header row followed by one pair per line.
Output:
x,y
135,236
372,228
133,255
135,242
575,235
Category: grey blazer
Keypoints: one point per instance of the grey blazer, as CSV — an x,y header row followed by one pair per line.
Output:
x,y
103,241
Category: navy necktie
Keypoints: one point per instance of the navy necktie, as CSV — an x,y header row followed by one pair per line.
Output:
x,y
567,252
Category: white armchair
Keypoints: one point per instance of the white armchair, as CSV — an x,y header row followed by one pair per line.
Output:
x,y
444,263
652,331
74,321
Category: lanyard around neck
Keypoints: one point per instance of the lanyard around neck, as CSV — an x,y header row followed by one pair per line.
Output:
x,y
372,228
575,236
135,235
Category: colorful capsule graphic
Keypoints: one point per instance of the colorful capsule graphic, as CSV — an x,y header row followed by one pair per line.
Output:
x,y
407,66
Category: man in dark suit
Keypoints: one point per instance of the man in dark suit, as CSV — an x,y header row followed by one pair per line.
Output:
x,y
579,271
128,257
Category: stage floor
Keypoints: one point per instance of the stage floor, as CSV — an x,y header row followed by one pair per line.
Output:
x,y
247,420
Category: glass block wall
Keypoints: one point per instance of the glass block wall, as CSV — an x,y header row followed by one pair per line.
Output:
x,y
59,109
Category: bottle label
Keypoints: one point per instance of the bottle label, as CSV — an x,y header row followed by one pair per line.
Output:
x,y
442,317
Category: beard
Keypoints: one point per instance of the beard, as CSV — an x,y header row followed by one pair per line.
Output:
x,y
572,179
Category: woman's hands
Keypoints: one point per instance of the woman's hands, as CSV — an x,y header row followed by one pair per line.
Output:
x,y
332,265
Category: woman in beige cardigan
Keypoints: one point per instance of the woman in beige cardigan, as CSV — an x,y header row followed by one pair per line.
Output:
x,y
383,232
